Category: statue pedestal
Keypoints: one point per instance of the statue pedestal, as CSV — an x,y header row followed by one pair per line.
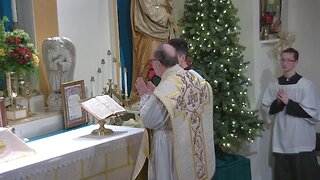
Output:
x,y
54,102
15,114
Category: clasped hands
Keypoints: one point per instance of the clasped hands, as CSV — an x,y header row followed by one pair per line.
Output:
x,y
282,96
144,88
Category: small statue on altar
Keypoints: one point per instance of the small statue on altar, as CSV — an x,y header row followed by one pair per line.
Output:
x,y
60,58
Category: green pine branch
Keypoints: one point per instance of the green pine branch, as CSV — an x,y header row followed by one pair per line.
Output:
x,y
210,27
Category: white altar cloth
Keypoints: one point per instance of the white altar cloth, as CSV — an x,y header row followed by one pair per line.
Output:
x,y
77,154
12,147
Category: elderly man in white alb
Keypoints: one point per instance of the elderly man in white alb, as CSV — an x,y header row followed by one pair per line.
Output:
x,y
178,114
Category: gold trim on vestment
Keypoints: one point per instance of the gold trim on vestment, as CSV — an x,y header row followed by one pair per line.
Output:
x,y
189,103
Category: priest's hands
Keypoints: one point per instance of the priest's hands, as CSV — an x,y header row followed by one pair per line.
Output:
x,y
144,88
151,86
282,96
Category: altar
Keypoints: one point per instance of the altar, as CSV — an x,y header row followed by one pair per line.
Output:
x,y
77,154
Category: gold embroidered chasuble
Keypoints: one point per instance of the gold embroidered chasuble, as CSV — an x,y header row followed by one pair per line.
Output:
x,y
189,104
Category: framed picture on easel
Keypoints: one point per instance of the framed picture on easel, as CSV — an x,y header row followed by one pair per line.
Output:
x,y
3,118
72,95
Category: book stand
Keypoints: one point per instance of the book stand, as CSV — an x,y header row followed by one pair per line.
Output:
x,y
102,131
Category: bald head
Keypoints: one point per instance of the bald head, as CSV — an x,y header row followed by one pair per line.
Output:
x,y
166,54
169,49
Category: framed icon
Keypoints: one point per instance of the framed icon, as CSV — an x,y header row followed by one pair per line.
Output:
x,y
270,19
72,95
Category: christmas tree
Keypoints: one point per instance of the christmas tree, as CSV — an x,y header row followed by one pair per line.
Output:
x,y
210,27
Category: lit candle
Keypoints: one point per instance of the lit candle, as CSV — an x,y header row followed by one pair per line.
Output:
x,y
14,11
125,82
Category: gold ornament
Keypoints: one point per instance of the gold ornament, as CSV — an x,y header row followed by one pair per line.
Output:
x,y
286,40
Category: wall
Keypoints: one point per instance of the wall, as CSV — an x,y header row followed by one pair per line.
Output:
x,y
25,16
303,20
89,24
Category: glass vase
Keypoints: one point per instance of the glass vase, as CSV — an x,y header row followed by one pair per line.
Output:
x,y
14,111
12,91
9,86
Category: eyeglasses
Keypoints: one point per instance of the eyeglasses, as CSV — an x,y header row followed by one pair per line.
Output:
x,y
287,60
150,60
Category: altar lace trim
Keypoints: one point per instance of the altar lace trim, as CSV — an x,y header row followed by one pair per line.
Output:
x,y
99,146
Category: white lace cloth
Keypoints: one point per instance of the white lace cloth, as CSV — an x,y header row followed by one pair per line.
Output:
x,y
12,147
66,148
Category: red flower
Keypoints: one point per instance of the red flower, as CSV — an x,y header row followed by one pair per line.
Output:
x,y
14,55
17,40
266,18
20,54
269,19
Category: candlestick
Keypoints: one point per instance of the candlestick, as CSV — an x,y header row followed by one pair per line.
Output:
x,y
114,71
92,80
99,88
109,65
125,82
14,10
120,79
103,62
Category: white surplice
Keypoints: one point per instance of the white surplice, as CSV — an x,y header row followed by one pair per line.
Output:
x,y
156,117
293,134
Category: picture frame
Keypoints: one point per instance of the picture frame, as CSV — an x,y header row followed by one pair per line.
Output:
x,y
3,117
270,19
73,93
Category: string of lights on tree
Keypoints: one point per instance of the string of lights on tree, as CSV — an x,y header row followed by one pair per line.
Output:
x,y
210,27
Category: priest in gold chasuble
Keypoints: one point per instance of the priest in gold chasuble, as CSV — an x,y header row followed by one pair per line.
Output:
x,y
178,114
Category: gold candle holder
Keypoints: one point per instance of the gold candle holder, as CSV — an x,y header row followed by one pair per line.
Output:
x,y
28,94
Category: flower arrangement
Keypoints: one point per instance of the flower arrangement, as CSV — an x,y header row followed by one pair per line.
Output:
x,y
17,52
2,37
266,19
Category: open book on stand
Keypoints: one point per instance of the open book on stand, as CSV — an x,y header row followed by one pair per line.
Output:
x,y
102,107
